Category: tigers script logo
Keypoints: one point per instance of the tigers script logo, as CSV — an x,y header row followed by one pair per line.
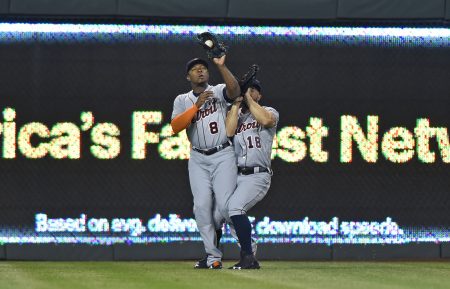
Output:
x,y
211,107
245,126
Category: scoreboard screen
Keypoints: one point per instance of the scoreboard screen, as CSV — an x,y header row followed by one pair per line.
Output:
x,y
87,154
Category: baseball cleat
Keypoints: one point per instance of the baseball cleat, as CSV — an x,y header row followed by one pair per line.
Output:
x,y
246,262
202,263
216,265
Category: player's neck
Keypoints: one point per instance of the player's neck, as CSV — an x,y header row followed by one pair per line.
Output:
x,y
199,88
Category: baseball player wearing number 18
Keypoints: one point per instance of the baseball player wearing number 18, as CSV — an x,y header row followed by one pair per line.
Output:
x,y
253,128
212,163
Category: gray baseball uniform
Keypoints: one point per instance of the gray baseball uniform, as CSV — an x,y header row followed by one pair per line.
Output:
x,y
253,146
212,163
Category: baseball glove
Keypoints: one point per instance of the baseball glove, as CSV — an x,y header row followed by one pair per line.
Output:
x,y
248,77
214,48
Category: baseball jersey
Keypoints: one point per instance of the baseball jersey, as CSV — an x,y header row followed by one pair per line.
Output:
x,y
253,142
207,128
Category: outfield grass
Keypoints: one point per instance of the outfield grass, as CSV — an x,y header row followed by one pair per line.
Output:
x,y
277,275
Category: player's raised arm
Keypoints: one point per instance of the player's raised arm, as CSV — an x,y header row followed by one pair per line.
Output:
x,y
262,116
232,85
232,117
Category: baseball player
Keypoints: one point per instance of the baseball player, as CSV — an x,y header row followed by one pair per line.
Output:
x,y
253,128
212,164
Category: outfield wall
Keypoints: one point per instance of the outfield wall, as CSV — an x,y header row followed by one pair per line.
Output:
x,y
88,157
193,251
436,11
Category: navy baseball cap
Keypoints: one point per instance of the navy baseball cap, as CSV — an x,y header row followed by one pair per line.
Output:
x,y
195,61
256,84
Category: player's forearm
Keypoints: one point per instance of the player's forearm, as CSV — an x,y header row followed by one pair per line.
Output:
x,y
183,120
262,116
233,89
232,120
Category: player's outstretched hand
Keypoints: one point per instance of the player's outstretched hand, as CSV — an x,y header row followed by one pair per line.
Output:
x,y
203,97
220,61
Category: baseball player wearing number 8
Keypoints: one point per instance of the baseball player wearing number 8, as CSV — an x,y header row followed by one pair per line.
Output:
x,y
253,128
212,163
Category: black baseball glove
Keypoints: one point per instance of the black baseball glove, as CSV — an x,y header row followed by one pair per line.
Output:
x,y
248,77
214,48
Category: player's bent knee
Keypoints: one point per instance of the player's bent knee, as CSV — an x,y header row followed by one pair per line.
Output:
x,y
236,212
203,212
200,204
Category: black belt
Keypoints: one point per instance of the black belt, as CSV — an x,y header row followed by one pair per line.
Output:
x,y
253,170
212,150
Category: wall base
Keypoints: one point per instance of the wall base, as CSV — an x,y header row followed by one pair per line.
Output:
x,y
195,250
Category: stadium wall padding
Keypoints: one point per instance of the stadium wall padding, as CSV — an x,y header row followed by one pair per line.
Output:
x,y
159,251
447,9
66,7
174,8
234,9
192,251
391,9
445,251
2,252
58,252
380,252
283,9
4,6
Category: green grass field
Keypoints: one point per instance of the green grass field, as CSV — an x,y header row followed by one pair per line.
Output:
x,y
278,275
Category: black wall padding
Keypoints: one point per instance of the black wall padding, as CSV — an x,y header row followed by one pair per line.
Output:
x,y
283,9
66,7
2,253
59,252
192,250
397,9
174,8
158,251
447,10
236,9
445,250
370,252
4,6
